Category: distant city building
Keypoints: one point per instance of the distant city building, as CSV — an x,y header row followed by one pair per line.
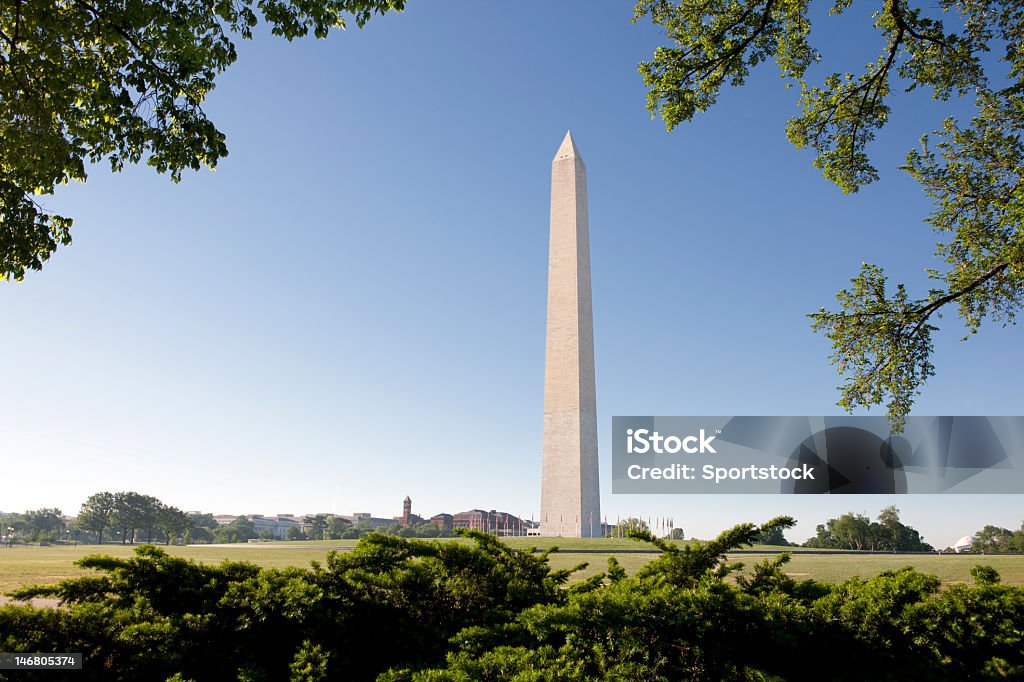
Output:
x,y
493,521
408,518
277,525
499,523
366,520
443,521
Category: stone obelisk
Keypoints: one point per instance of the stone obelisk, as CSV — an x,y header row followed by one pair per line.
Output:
x,y
570,503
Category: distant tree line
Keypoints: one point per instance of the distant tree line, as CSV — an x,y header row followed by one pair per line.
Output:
x,y
325,527
849,531
995,540
127,517
40,525
130,517
772,536
121,517
406,610
856,531
422,530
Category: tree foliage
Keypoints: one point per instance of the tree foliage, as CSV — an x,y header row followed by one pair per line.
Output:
x,y
315,526
627,525
993,540
96,514
856,531
131,515
82,81
971,169
336,527
172,522
239,530
44,524
773,536
204,521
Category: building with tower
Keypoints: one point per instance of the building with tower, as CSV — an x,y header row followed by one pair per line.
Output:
x,y
408,518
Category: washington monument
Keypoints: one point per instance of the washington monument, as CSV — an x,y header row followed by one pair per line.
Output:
x,y
570,503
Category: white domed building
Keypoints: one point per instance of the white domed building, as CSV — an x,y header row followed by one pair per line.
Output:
x,y
964,544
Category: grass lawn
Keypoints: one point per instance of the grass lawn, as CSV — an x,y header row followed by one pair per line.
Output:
x,y
22,566
951,569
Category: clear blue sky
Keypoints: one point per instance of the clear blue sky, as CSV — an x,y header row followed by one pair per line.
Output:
x,y
351,308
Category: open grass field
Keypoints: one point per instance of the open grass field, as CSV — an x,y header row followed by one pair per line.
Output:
x,y
22,566
951,569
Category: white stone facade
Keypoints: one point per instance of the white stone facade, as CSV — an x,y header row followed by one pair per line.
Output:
x,y
570,491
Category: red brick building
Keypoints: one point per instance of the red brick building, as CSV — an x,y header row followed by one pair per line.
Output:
x,y
496,522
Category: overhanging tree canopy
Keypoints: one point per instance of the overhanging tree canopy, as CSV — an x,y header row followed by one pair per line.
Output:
x,y
123,80
882,338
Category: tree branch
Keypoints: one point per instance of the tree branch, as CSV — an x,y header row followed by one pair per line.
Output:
x,y
707,64
878,75
901,23
929,309
169,80
925,312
